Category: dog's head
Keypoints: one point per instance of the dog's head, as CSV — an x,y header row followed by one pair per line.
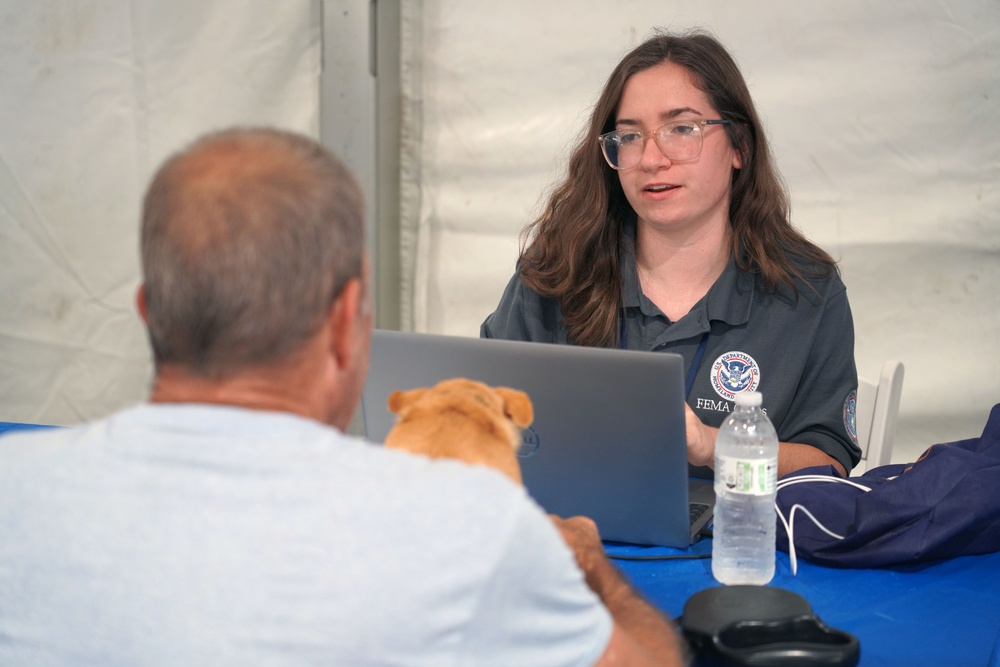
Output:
x,y
464,419
513,404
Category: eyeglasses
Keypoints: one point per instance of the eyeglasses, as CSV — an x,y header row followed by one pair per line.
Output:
x,y
681,140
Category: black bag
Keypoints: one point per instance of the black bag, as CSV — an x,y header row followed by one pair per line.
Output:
x,y
736,626
946,504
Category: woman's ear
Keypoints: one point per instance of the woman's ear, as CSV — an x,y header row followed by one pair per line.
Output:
x,y
140,302
741,151
740,140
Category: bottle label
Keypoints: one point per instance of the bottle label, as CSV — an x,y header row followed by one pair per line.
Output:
x,y
755,477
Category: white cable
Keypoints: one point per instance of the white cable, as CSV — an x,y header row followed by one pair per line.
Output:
x,y
790,527
790,523
820,478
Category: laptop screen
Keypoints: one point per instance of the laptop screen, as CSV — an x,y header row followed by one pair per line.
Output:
x,y
608,439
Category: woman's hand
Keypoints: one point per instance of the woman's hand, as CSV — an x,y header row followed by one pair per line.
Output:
x,y
791,456
700,439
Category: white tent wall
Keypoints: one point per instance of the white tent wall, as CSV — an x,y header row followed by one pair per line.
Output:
x,y
883,118
95,95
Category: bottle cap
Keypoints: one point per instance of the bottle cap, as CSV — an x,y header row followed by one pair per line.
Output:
x,y
749,398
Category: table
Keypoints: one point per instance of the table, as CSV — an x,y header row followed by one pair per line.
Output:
x,y
942,613
15,426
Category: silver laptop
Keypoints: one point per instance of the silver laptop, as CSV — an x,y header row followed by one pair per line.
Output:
x,y
608,439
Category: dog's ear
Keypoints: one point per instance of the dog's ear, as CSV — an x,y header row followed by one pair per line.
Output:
x,y
400,400
517,406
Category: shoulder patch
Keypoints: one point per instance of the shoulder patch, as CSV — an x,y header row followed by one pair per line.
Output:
x,y
851,416
733,373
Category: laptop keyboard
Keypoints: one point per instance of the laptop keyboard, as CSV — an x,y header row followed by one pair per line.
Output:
x,y
697,509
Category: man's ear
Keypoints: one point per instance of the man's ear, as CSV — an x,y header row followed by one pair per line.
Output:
x,y
140,302
343,322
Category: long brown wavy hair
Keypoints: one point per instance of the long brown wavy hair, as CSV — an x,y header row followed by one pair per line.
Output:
x,y
573,251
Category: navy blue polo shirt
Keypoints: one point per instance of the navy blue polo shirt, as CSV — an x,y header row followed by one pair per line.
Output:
x,y
797,351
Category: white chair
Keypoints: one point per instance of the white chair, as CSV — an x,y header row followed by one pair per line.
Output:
x,y
875,416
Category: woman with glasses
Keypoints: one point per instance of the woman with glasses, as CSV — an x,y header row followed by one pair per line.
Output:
x,y
670,232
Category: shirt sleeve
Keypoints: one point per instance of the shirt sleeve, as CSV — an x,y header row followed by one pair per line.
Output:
x,y
537,608
819,414
523,314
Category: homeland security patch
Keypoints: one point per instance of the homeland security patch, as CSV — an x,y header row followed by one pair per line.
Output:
x,y
851,416
734,373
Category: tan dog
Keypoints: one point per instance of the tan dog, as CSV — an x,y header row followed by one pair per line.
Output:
x,y
462,419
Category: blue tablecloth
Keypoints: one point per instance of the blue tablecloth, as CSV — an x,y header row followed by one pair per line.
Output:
x,y
945,613
15,426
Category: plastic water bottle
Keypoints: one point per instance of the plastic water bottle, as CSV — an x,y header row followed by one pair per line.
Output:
x,y
746,474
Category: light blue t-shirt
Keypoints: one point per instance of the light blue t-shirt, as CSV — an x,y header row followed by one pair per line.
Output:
x,y
207,535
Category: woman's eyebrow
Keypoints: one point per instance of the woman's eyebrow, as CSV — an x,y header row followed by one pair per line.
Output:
x,y
664,116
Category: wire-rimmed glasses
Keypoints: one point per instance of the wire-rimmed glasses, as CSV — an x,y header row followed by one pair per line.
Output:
x,y
679,140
